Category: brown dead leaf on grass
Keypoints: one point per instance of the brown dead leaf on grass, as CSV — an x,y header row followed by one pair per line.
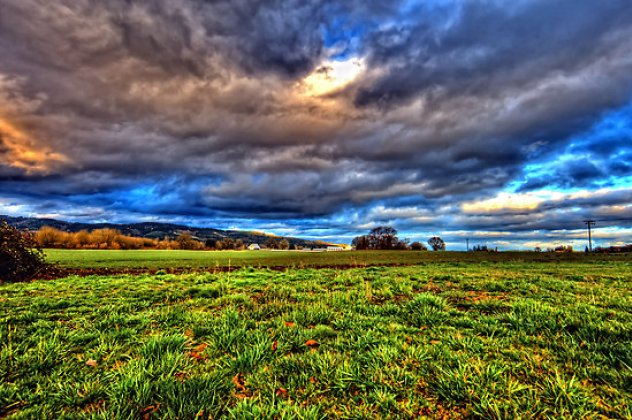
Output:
x,y
147,412
275,345
289,324
118,364
201,348
197,356
311,343
91,363
196,353
281,392
238,380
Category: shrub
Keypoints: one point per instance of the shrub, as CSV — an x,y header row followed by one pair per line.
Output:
x,y
418,246
186,241
49,237
105,237
21,258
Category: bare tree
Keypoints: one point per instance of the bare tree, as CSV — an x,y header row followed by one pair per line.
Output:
x,y
381,237
436,243
360,242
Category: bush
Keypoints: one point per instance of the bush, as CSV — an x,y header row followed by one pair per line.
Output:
x,y
186,241
418,246
21,258
49,237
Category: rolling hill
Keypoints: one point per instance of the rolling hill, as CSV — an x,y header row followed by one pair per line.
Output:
x,y
153,230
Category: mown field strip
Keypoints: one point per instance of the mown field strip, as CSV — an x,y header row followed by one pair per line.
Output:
x,y
157,259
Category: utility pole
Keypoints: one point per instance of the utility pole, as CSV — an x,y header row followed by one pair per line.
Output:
x,y
589,224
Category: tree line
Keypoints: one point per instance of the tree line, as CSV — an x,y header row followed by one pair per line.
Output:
x,y
385,238
379,238
49,237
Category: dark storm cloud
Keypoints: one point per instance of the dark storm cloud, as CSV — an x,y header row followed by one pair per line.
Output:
x,y
487,47
205,102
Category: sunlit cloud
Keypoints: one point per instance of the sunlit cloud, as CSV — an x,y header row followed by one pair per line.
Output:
x,y
507,202
20,151
331,76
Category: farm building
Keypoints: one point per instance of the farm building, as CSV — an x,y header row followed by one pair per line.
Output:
x,y
254,247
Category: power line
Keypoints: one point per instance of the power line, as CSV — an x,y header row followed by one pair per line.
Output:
x,y
614,220
589,224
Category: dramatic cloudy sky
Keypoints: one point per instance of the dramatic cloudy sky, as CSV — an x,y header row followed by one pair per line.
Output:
x,y
507,122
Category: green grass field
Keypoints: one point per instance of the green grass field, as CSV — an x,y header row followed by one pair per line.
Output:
x,y
451,339
161,259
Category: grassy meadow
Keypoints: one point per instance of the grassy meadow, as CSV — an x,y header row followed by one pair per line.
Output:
x,y
438,340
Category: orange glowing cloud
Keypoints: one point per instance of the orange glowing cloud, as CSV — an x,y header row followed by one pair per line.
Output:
x,y
23,152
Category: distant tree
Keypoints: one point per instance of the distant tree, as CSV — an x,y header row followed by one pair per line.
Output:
x,y
436,243
538,249
83,238
105,238
272,243
218,245
360,242
381,237
563,248
129,242
209,243
284,244
228,243
239,245
21,258
49,237
186,241
166,243
418,246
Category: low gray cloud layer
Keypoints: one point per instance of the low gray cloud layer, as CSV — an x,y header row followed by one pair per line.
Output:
x,y
207,105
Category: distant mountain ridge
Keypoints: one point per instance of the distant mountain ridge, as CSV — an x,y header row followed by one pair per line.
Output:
x,y
153,230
